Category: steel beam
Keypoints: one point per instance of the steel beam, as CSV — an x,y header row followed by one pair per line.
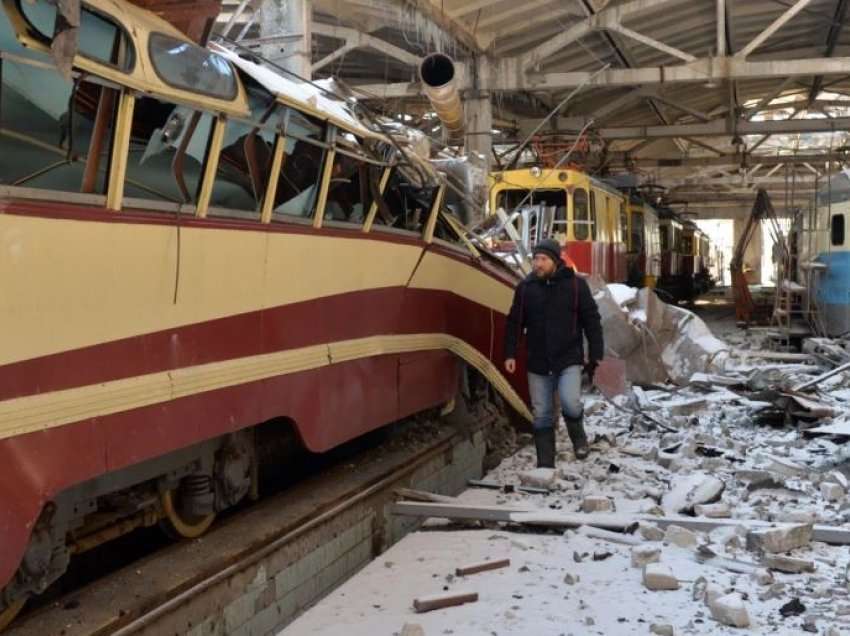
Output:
x,y
621,158
510,76
714,128
773,28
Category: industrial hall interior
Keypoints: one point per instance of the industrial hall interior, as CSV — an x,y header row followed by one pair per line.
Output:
x,y
424,317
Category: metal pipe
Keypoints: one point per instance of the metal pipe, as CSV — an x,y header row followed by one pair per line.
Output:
x,y
437,73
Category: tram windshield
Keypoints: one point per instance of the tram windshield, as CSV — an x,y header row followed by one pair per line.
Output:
x,y
543,213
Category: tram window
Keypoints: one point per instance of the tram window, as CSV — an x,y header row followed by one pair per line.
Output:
x,y
98,38
44,144
677,240
167,147
624,225
636,245
837,229
403,206
189,67
687,245
663,238
242,173
349,192
593,215
298,182
581,219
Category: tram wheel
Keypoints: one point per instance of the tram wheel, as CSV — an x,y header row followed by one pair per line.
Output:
x,y
179,525
10,613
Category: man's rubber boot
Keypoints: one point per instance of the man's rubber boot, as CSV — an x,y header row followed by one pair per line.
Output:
x,y
544,441
575,429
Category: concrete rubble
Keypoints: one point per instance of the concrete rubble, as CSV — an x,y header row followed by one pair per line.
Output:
x,y
742,509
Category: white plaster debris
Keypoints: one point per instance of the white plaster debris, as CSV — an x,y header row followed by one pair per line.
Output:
x,y
780,539
831,492
681,537
730,610
596,503
538,477
698,488
659,576
554,585
645,554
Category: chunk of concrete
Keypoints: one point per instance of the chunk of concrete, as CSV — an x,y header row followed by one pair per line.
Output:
x,y
713,591
785,467
650,532
781,539
837,477
831,492
597,503
694,489
538,477
661,629
713,511
762,576
679,536
645,554
787,564
657,576
730,610
412,629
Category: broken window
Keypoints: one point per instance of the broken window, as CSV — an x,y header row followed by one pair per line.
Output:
x,y
687,244
408,204
244,166
98,38
545,209
581,218
304,156
189,67
837,229
351,187
48,127
167,148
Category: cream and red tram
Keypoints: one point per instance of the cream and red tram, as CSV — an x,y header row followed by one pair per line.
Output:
x,y
587,216
193,246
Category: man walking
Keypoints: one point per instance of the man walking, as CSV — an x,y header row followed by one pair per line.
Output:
x,y
555,308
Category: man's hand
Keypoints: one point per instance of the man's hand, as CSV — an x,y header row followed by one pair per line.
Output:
x,y
510,365
590,369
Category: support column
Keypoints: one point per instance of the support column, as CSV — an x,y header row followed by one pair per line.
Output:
x,y
291,18
478,116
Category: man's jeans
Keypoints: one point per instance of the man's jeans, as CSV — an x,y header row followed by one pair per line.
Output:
x,y
542,389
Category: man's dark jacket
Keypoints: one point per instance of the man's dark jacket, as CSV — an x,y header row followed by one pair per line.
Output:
x,y
554,312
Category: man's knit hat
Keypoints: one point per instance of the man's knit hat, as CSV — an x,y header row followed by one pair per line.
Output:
x,y
550,248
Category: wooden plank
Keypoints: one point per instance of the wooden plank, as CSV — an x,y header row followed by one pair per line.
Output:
x,y
455,511
422,495
437,601
483,566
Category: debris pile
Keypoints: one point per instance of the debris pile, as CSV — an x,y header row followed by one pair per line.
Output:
x,y
717,504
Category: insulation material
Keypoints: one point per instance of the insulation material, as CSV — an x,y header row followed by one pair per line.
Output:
x,y
657,341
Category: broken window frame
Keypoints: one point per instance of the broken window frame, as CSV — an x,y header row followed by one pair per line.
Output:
x,y
47,40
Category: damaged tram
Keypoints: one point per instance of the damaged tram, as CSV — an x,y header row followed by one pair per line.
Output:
x,y
615,235
197,254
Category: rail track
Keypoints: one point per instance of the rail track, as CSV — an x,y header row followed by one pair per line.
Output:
x,y
257,551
